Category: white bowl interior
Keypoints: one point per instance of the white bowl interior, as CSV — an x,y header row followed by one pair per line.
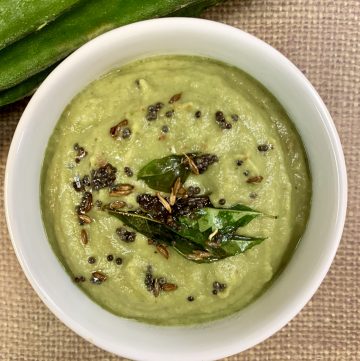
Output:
x,y
290,291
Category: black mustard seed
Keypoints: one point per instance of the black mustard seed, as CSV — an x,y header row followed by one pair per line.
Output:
x,y
128,171
126,133
216,285
91,260
165,129
125,235
161,281
169,113
263,147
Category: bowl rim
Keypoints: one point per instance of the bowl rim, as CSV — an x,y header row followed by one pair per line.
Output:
x,y
331,133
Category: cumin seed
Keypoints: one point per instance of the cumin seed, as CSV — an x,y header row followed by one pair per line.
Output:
x,y
256,179
123,189
172,197
164,202
84,237
84,219
98,277
156,289
192,165
117,205
177,185
86,203
175,98
116,129
162,250
168,287
174,191
199,255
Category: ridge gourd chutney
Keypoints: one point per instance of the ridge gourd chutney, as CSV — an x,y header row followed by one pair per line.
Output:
x,y
174,190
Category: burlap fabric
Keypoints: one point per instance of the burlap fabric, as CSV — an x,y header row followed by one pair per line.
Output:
x,y
322,37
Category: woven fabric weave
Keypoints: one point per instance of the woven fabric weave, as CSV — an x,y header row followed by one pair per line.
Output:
x,y
322,37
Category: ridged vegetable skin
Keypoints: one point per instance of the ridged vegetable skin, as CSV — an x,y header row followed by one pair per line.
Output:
x,y
39,50
21,17
27,87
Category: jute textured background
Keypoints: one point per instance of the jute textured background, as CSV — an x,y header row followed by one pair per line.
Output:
x,y
322,37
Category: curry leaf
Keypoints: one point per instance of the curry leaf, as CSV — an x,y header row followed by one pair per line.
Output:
x,y
239,244
226,219
160,174
241,207
193,233
163,234
194,237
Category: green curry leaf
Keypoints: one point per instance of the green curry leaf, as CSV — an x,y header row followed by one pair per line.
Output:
x,y
226,219
241,207
160,174
237,244
194,237
163,234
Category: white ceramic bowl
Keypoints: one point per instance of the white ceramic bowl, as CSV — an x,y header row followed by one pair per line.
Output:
x,y
307,268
